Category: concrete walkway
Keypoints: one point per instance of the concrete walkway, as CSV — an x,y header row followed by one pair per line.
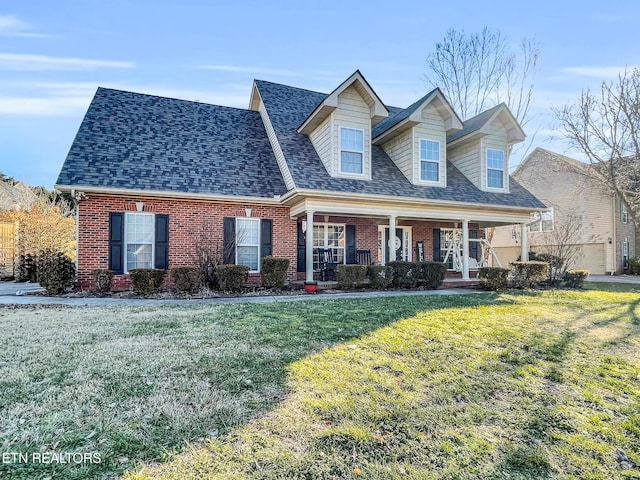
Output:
x,y
26,296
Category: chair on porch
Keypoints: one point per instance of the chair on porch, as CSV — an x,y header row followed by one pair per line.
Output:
x,y
363,257
327,264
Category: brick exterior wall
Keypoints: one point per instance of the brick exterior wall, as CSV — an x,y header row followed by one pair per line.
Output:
x,y
193,222
190,222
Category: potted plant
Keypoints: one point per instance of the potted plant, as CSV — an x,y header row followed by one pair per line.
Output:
x,y
311,287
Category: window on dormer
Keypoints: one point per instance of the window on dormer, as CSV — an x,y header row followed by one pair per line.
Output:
x,y
429,161
495,168
351,150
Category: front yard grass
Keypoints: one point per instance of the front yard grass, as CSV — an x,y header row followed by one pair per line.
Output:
x,y
519,386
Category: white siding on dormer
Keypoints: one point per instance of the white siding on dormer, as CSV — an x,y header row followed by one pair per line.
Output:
x,y
467,159
496,140
400,150
431,127
323,143
352,112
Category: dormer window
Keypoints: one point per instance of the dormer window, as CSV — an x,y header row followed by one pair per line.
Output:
x,y
351,150
429,160
495,168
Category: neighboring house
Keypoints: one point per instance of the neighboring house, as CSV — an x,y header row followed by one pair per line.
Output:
x,y
604,234
297,171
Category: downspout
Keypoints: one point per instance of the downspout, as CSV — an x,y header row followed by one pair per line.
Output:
x,y
614,239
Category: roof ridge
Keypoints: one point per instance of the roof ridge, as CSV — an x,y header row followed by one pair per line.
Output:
x,y
174,99
290,86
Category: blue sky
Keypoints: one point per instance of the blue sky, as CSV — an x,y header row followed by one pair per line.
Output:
x,y
53,55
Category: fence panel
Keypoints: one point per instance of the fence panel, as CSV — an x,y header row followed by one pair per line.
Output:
x,y
8,235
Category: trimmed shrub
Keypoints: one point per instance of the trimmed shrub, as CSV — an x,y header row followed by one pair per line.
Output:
x,y
556,265
432,274
493,278
232,278
102,279
405,274
147,281
56,271
575,278
26,268
633,266
380,276
185,279
350,276
273,272
529,274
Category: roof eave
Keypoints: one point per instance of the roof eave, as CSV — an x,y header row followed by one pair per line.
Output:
x,y
275,200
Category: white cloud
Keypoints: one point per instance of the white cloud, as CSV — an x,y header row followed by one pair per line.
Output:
x,y
26,62
12,26
43,107
598,72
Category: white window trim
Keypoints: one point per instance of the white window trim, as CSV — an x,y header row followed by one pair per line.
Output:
x,y
439,162
325,240
624,213
340,150
238,244
539,217
126,243
486,170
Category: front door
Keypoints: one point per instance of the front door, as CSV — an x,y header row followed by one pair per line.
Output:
x,y
401,246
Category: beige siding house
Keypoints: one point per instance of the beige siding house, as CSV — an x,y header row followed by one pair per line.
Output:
x,y
604,234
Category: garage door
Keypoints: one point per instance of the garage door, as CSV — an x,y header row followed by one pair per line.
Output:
x,y
507,255
592,258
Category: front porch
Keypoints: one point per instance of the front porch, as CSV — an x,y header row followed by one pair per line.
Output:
x,y
461,243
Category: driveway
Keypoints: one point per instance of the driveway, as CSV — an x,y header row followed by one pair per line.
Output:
x,y
614,278
14,288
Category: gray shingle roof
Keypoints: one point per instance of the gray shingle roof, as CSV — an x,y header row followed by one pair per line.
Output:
x,y
289,106
142,142
396,117
474,123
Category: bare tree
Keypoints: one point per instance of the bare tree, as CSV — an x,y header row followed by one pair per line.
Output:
x,y
605,128
477,71
562,245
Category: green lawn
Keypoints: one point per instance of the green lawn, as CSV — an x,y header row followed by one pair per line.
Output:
x,y
529,385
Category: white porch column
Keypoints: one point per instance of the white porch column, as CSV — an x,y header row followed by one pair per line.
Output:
x,y
392,239
309,247
524,244
465,249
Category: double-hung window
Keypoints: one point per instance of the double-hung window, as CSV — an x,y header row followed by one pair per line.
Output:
x,y
139,238
495,168
544,221
429,160
624,213
351,151
248,243
330,236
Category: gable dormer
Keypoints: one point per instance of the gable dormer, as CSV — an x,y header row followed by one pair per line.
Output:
x,y
340,128
415,138
481,149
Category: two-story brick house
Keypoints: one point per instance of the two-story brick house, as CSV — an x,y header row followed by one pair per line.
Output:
x,y
297,171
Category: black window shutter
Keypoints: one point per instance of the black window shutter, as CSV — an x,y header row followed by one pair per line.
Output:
x,y
473,247
436,245
302,250
266,234
229,240
350,252
162,242
116,242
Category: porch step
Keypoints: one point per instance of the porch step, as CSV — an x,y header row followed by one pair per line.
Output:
x,y
459,283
